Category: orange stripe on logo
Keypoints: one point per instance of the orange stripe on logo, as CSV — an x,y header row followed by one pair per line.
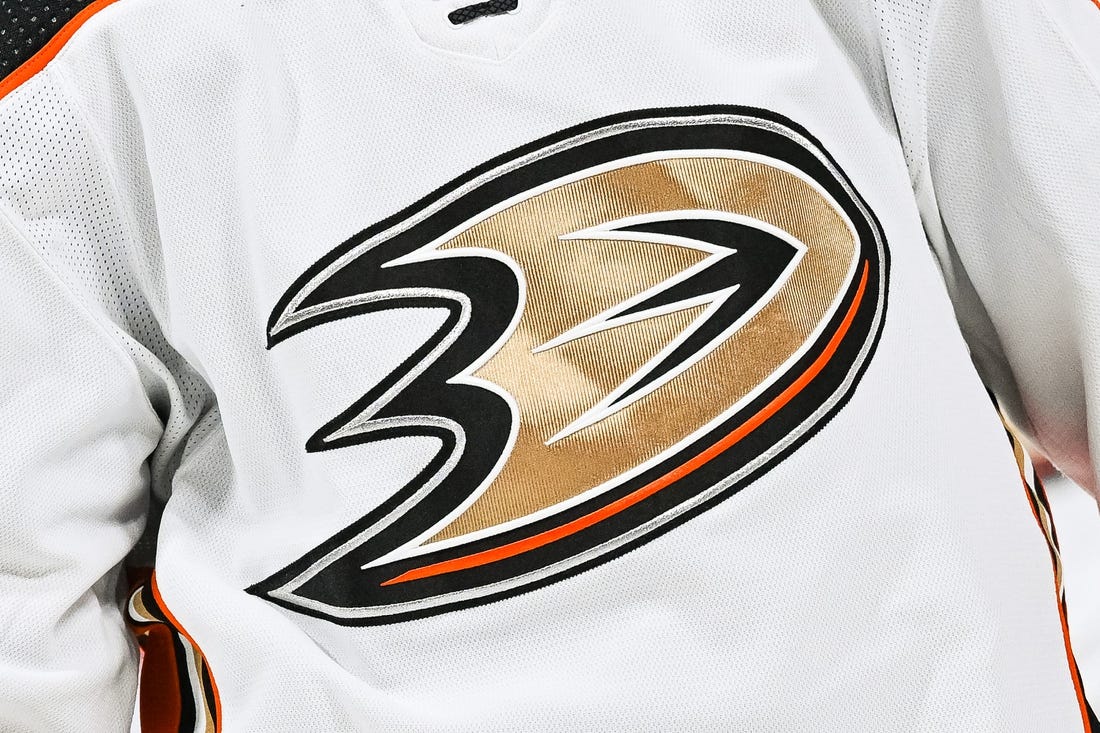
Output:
x,y
47,53
544,538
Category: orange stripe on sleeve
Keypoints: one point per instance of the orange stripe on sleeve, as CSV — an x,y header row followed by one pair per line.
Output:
x,y
47,53
1075,671
179,627
1034,492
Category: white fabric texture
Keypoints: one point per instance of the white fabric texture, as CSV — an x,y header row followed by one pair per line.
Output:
x,y
179,164
1011,94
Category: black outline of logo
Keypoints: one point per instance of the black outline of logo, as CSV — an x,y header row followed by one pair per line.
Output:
x,y
341,580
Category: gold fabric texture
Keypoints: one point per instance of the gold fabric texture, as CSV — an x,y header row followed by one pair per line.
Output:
x,y
571,280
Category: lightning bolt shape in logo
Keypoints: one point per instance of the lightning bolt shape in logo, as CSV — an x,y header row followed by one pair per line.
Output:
x,y
749,262
625,320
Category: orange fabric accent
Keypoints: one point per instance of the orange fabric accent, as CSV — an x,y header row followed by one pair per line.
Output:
x,y
1027,488
161,702
179,628
552,535
1074,673
46,54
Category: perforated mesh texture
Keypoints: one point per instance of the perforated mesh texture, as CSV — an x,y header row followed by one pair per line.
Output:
x,y
25,27
63,195
193,159
904,28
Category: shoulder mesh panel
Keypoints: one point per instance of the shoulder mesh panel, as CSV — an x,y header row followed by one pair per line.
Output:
x,y
28,25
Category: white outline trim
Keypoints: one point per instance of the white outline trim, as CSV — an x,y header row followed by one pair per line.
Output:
x,y
290,316
610,404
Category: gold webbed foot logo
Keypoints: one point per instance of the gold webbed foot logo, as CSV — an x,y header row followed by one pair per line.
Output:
x,y
643,315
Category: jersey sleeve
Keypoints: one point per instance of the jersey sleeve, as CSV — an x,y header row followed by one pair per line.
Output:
x,y
76,430
94,407
999,105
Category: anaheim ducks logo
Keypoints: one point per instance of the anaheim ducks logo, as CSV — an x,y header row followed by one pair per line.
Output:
x,y
643,315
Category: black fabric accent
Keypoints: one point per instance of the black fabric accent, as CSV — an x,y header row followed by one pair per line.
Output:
x,y
759,259
25,27
351,580
470,13
1037,497
208,693
187,695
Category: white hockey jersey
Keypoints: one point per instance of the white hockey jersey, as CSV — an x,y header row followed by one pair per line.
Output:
x,y
551,365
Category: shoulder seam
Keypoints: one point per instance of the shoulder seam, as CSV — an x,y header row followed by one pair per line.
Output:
x,y
29,68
